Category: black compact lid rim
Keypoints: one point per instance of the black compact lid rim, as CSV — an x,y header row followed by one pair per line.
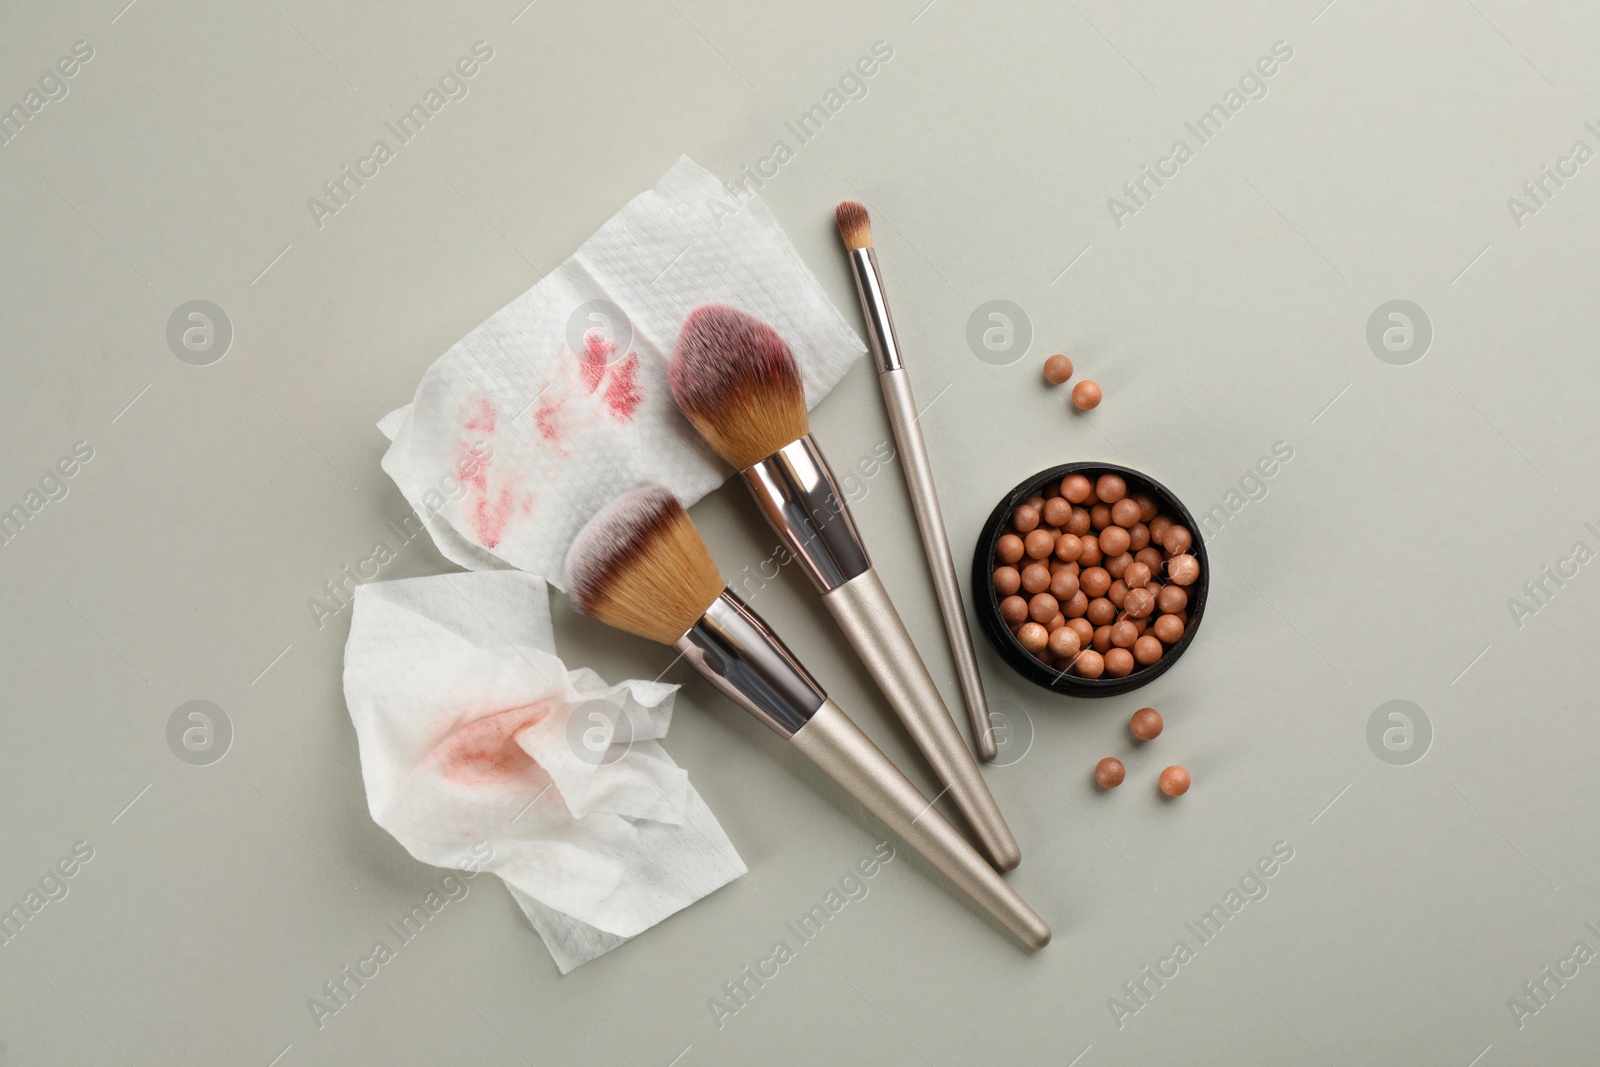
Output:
x,y
987,603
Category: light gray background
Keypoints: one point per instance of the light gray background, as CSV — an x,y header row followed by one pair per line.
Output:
x,y
1228,314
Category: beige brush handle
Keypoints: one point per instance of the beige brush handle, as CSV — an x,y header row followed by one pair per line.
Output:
x,y
902,408
864,612
848,756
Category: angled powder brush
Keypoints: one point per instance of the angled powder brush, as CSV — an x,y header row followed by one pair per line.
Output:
x,y
641,566
736,381
855,229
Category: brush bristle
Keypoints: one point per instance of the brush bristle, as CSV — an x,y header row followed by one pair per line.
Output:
x,y
734,378
855,225
641,566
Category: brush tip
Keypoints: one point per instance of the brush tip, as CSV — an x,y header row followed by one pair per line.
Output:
x,y
855,225
736,381
641,566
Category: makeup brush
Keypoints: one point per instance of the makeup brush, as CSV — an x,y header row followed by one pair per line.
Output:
x,y
855,227
641,566
736,381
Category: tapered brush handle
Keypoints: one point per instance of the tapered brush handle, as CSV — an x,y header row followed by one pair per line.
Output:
x,y
902,407
862,608
848,756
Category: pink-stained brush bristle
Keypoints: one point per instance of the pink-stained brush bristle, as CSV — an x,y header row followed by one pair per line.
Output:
x,y
735,379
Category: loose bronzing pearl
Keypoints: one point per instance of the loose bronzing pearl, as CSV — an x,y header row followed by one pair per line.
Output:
x,y
1146,724
1174,781
1119,663
1094,581
1168,628
1064,585
1110,772
1085,395
1114,540
1065,642
1183,570
1042,607
1036,578
1039,544
1147,650
1057,369
1006,580
1033,636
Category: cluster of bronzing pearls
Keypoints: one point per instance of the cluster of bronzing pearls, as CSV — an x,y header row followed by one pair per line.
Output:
x,y
1093,581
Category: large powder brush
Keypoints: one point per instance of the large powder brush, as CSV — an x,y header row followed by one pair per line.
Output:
x,y
641,566
736,381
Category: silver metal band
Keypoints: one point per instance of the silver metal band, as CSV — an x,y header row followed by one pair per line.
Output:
x,y
875,309
736,651
802,502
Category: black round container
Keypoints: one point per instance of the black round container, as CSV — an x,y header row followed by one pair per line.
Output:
x,y
988,603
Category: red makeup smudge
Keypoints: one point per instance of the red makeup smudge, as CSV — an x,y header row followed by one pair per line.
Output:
x,y
487,511
622,393
592,361
482,417
485,752
547,419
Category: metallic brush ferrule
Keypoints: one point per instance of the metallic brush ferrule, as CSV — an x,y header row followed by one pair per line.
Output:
x,y
734,648
799,497
875,309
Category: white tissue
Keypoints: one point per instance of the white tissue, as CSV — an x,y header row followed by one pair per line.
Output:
x,y
557,403
472,732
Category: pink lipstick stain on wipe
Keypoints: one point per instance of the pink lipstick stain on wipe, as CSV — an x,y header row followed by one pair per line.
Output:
x,y
547,420
596,364
622,393
488,509
481,417
489,512
485,752
592,361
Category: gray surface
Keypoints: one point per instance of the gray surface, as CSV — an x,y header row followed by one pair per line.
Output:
x,y
1226,315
